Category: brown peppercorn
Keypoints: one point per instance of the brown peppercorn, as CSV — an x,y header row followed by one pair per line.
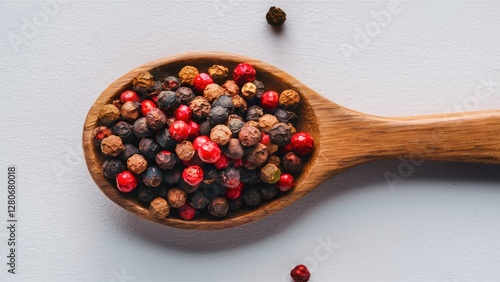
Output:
x,y
185,150
137,163
275,16
234,150
112,146
100,133
240,105
187,74
143,82
220,134
176,197
289,99
266,122
231,88
248,90
156,119
291,163
159,208
270,173
218,206
131,110
280,134
273,159
109,113
272,148
200,107
212,92
257,156
218,72
249,135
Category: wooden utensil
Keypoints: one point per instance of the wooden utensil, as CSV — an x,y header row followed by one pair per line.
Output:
x,y
343,138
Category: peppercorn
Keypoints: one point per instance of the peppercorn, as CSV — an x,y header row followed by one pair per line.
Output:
x,y
269,100
229,177
289,99
166,159
243,73
275,16
235,125
272,148
273,159
124,130
249,176
260,88
280,134
300,273
270,173
256,156
109,113
205,128
141,128
249,135
148,148
218,72
176,197
254,113
234,149
112,146
248,91
128,151
220,134
126,182
152,176
172,176
185,150
111,167
209,152
187,212
302,143
266,122
218,206
285,116
224,101
213,190
167,101
240,105
212,92
184,95
200,107
179,130
164,139
217,115
251,195
146,194
291,163
100,133
198,200
187,74
231,88
186,187
286,182
201,80
143,82
137,163
130,110
268,191
235,204
159,208
171,83
234,193
129,95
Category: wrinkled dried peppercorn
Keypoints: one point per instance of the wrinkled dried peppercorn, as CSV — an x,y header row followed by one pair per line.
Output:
x,y
143,82
212,92
270,173
249,135
280,134
125,131
218,72
231,88
152,177
141,128
128,151
285,116
291,163
166,159
257,156
220,134
171,83
184,95
254,113
111,167
187,74
198,200
266,122
200,107
137,163
252,196
289,99
148,148
268,191
176,197
205,128
159,208
218,206
164,139
185,150
112,146
109,114
167,101
248,91
275,16
131,111
218,115
100,133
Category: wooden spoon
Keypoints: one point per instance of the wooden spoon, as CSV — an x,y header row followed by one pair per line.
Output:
x,y
343,138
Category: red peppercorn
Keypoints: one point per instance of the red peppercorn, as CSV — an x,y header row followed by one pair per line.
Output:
x,y
209,152
302,143
187,212
129,95
201,81
288,148
179,130
285,182
270,100
200,140
265,139
146,106
300,273
193,175
183,113
193,130
235,192
126,181
244,73
222,162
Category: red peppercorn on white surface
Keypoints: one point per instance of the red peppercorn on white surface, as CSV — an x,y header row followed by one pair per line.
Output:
x,y
402,220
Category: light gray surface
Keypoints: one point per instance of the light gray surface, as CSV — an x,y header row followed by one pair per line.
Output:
x,y
440,224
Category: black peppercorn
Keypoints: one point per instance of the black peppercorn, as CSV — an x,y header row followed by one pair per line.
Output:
x,y
268,191
166,159
167,101
205,128
152,176
275,16
172,176
254,113
218,206
286,116
229,177
146,194
184,95
171,83
187,187
235,125
213,190
260,88
252,195
218,115
291,163
112,167
129,150
235,204
280,134
198,200
148,148
164,139
156,89
141,128
226,102
249,176
156,119
124,130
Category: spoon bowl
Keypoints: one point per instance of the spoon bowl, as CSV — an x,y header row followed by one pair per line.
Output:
x,y
343,138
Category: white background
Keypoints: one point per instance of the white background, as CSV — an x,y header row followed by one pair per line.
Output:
x,y
440,222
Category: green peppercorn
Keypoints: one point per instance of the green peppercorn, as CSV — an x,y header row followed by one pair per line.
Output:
x,y
270,173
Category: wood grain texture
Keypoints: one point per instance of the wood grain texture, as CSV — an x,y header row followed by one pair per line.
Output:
x,y
343,138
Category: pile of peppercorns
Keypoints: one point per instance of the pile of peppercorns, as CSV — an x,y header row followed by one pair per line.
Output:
x,y
201,142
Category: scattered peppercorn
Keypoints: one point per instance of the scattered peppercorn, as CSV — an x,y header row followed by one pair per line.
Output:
x,y
212,92
164,139
220,134
268,191
167,101
126,182
300,273
131,110
226,102
124,130
260,88
159,208
266,122
285,116
172,176
166,159
171,83
200,107
198,200
141,128
289,99
275,16
128,151
146,194
257,156
218,115
143,82
184,95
